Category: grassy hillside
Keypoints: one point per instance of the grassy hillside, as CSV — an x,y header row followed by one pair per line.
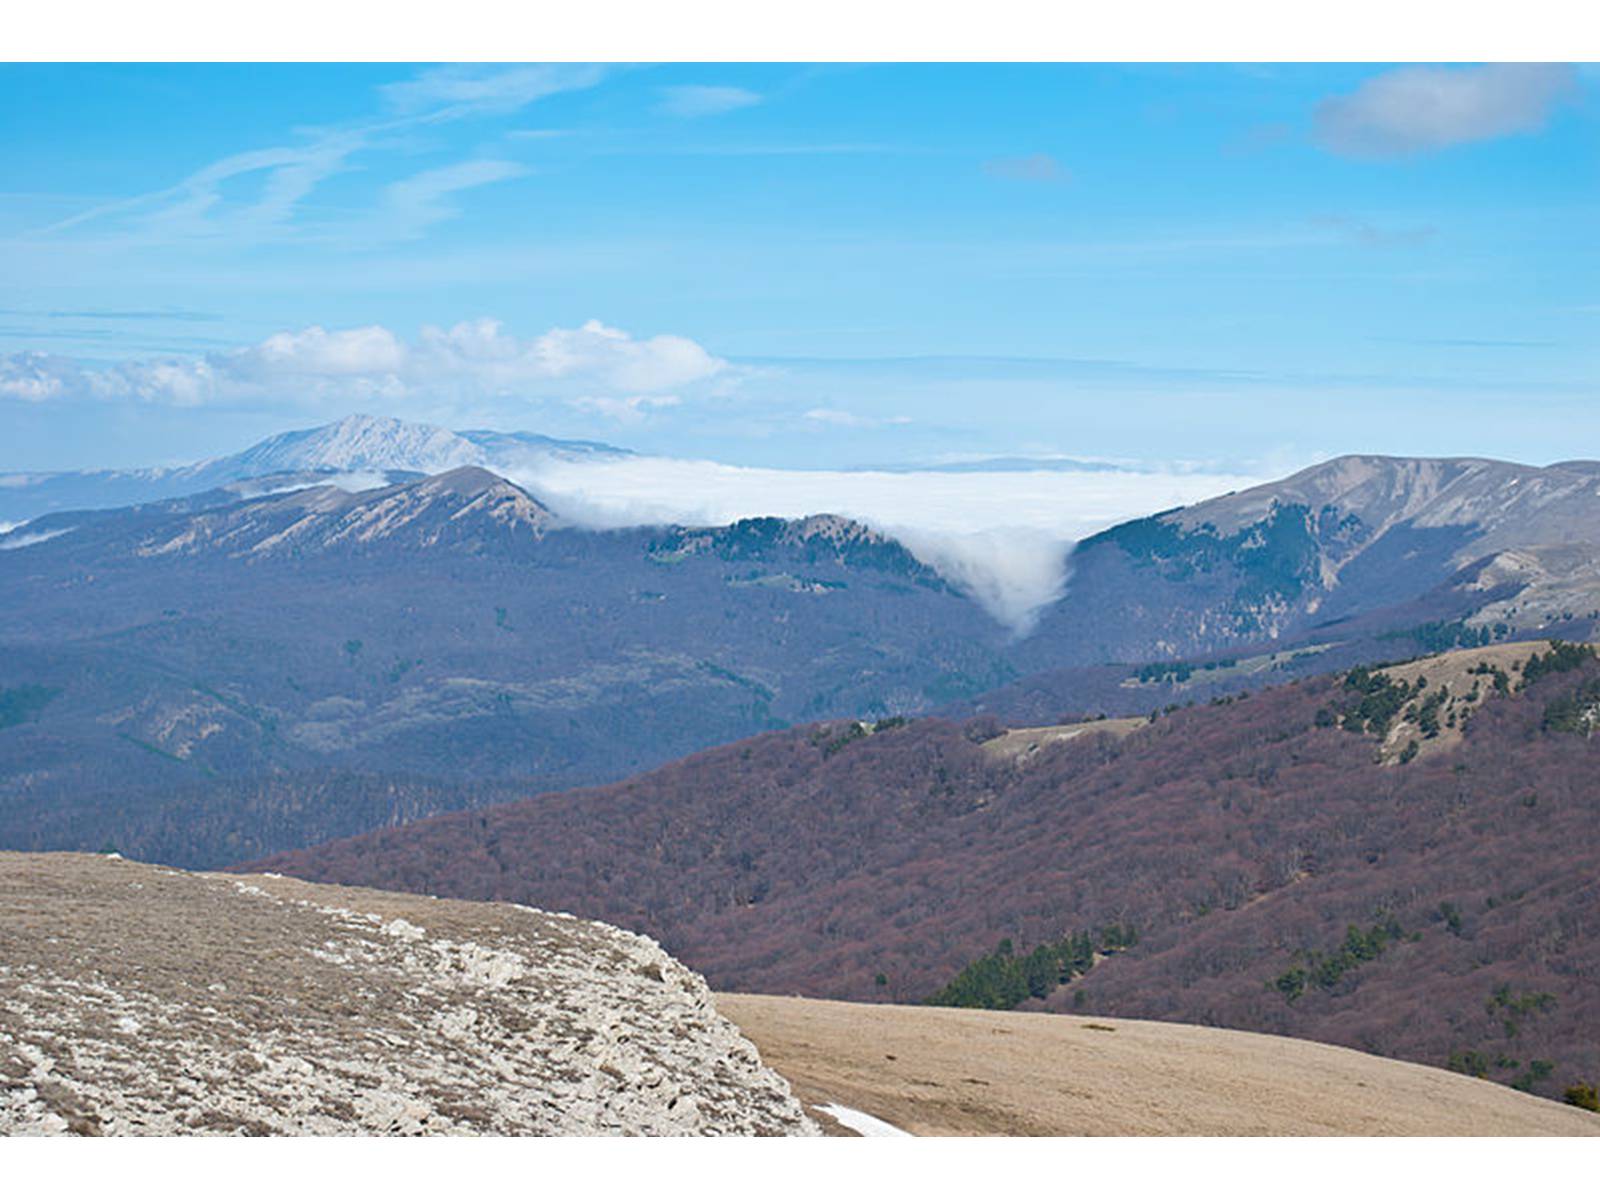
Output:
x,y
946,1072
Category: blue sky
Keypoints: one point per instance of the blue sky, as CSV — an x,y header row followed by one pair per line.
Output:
x,y
805,266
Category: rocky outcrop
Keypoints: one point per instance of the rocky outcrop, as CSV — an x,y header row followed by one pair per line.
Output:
x,y
468,508
1391,542
136,999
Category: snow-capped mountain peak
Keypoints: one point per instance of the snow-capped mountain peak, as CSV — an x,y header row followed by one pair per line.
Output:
x,y
362,451
361,443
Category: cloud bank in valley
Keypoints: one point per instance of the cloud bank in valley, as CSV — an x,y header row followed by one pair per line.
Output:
x,y
1001,536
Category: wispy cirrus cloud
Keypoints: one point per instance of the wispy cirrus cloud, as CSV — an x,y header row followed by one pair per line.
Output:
x,y
851,420
456,91
411,205
1414,110
113,314
189,208
701,100
595,367
198,207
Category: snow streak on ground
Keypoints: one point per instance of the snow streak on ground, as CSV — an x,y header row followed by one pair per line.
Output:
x,y
865,1124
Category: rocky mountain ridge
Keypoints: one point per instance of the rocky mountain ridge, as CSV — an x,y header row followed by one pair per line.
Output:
x,y
466,506
447,635
366,450
1313,556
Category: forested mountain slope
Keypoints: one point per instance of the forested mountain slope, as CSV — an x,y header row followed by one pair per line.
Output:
x,y
268,664
304,647
1265,863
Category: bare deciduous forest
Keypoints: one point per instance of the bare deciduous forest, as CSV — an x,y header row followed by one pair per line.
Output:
x,y
1278,877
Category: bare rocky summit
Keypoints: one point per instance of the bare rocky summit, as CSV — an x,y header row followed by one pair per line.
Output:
x,y
136,999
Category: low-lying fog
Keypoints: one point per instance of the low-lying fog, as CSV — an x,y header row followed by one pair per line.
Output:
x,y
1002,536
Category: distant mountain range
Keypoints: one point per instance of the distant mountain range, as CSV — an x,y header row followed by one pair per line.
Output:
x,y
361,450
347,627
1333,546
298,652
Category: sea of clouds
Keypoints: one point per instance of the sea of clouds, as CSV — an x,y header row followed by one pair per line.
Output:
x,y
1001,536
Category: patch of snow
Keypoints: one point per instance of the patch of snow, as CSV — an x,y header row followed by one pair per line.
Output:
x,y
361,444
865,1124
18,540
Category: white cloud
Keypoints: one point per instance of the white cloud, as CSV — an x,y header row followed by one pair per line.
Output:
x,y
625,410
411,205
1013,572
604,368
316,352
700,100
348,481
654,364
34,377
1417,109
850,420
182,383
459,90
190,207
1001,536
218,201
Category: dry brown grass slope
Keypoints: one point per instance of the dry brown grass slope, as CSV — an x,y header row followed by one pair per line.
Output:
x,y
1020,745
944,1071
1466,678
